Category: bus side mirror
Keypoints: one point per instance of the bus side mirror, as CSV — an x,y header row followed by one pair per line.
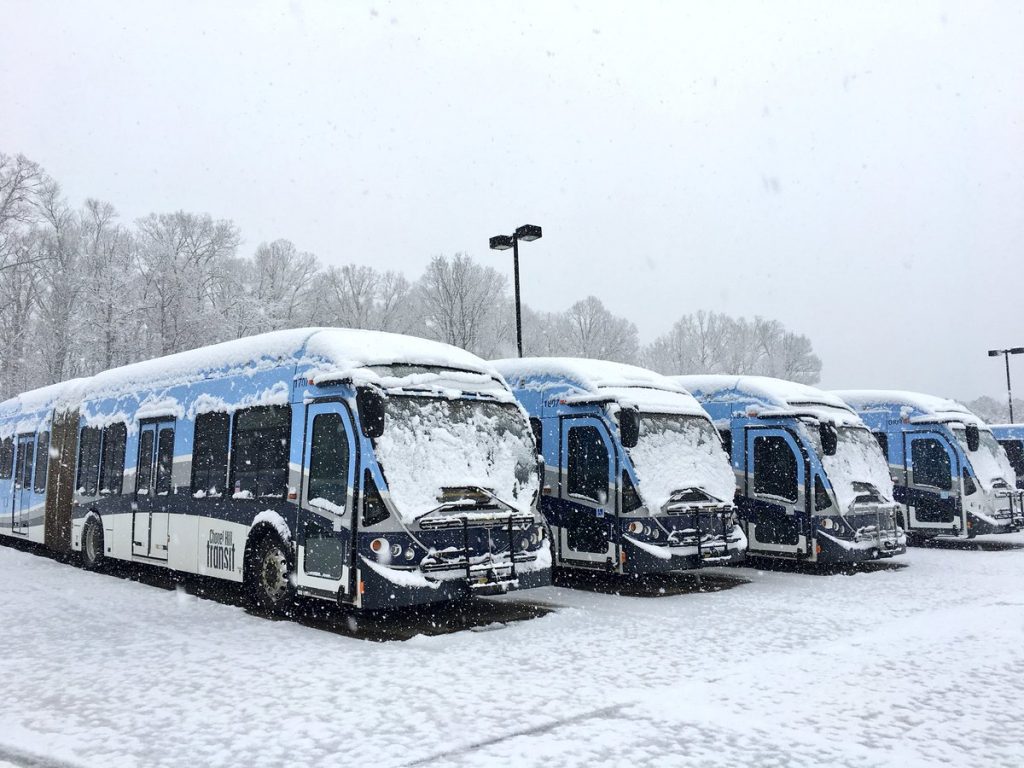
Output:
x,y
629,427
829,438
370,404
973,437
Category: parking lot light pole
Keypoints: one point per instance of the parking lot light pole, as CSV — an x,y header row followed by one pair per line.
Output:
x,y
529,233
1006,356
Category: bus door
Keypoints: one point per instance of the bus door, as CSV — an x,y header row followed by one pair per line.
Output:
x,y
25,452
153,490
327,521
933,483
586,515
775,502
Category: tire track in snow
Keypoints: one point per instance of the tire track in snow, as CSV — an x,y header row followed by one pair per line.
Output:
x,y
536,730
23,759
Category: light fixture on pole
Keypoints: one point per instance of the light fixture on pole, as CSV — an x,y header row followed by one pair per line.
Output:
x,y
529,233
1006,356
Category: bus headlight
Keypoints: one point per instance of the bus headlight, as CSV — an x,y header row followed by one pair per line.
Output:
x,y
827,524
410,553
396,550
524,543
380,548
635,527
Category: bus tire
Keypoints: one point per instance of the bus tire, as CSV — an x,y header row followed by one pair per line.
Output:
x,y
268,574
92,544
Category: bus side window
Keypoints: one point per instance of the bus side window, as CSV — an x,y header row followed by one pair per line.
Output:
x,y
538,433
88,461
210,454
328,460
259,451
6,458
112,467
726,441
588,464
775,470
883,442
931,464
42,461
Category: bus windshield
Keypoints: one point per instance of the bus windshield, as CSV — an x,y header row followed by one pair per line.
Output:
x,y
679,452
430,444
858,471
989,462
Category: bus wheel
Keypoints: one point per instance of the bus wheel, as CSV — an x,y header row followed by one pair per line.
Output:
x,y
268,574
92,544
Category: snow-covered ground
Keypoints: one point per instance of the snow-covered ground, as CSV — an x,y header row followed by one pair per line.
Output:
x,y
918,666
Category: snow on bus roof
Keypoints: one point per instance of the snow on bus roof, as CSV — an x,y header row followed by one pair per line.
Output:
x,y
917,406
331,353
623,383
772,393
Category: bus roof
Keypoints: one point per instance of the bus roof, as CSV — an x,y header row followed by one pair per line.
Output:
x,y
770,396
330,354
910,406
603,380
1008,431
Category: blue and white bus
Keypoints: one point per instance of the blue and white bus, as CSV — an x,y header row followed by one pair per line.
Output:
x,y
1011,437
813,484
636,480
952,477
371,469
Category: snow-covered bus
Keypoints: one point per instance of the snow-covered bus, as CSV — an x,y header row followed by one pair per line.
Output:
x,y
371,469
636,480
813,484
1011,437
952,476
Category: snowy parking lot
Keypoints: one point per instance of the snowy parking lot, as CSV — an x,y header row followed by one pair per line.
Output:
x,y
922,665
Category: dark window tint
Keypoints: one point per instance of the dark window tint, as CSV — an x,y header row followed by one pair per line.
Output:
x,y
144,475
112,467
775,468
88,461
538,434
931,464
588,464
210,454
27,461
374,510
630,498
821,498
328,460
969,486
42,461
727,441
164,460
6,458
883,442
259,455
1015,452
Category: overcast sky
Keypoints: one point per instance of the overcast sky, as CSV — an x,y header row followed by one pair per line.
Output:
x,y
855,171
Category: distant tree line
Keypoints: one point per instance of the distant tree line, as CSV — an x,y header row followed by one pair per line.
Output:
x,y
82,291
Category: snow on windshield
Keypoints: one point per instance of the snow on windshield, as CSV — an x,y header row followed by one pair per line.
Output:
x,y
679,452
858,459
990,462
429,444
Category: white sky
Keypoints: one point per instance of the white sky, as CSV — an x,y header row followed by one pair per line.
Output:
x,y
855,171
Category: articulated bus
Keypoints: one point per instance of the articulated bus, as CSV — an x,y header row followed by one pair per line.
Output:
x,y
952,477
370,469
636,480
1011,437
813,484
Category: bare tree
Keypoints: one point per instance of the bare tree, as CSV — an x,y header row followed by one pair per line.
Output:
x,y
458,298
595,332
21,182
